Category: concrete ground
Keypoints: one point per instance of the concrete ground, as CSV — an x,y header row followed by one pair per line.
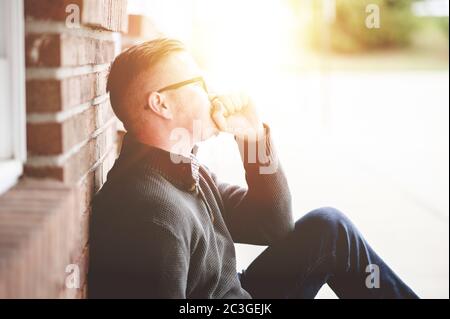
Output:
x,y
375,146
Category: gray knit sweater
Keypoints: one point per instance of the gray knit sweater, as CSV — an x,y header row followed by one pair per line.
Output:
x,y
158,230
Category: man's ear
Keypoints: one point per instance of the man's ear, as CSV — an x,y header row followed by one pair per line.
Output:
x,y
158,104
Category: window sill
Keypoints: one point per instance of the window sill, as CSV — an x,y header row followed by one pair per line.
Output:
x,y
10,171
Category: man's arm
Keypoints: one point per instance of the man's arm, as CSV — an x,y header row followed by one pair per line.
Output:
x,y
261,213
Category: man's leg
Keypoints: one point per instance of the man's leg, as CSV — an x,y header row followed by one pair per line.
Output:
x,y
324,247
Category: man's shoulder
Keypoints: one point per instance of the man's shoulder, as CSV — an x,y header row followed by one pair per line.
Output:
x,y
146,196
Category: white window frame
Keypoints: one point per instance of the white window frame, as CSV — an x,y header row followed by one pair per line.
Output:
x,y
12,104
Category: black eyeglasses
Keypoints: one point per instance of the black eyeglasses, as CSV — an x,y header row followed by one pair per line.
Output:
x,y
175,86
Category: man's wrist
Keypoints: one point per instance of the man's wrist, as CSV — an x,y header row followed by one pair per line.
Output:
x,y
258,155
252,135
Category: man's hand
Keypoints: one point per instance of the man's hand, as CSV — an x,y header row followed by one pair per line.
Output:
x,y
236,114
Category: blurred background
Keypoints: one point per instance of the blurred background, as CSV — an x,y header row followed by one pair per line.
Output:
x,y
356,94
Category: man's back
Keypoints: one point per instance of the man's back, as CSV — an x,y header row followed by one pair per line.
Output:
x,y
153,235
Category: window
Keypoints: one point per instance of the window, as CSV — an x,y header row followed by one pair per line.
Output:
x,y
12,93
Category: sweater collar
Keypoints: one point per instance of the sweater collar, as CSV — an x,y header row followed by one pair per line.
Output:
x,y
180,170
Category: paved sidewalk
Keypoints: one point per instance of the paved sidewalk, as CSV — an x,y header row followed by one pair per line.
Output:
x,y
374,146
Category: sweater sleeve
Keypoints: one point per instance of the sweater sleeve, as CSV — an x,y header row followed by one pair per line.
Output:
x,y
261,213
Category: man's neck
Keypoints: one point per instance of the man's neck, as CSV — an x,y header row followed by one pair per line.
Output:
x,y
178,147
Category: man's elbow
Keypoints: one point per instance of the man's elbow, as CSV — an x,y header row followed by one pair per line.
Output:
x,y
283,229
281,222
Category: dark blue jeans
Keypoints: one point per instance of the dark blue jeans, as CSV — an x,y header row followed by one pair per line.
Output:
x,y
324,247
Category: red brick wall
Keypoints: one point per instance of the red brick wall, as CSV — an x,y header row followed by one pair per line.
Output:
x,y
71,141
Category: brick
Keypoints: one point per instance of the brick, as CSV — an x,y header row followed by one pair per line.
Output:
x,y
104,113
49,172
82,51
82,229
80,163
43,49
49,9
101,82
108,14
52,95
86,191
93,181
78,90
53,50
105,14
43,96
59,138
33,220
44,138
102,170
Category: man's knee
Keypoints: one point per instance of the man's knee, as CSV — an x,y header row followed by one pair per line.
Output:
x,y
325,220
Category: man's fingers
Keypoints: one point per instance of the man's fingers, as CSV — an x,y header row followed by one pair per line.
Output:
x,y
225,106
218,115
228,104
237,101
245,100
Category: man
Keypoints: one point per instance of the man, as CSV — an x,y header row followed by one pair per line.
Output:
x,y
163,226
